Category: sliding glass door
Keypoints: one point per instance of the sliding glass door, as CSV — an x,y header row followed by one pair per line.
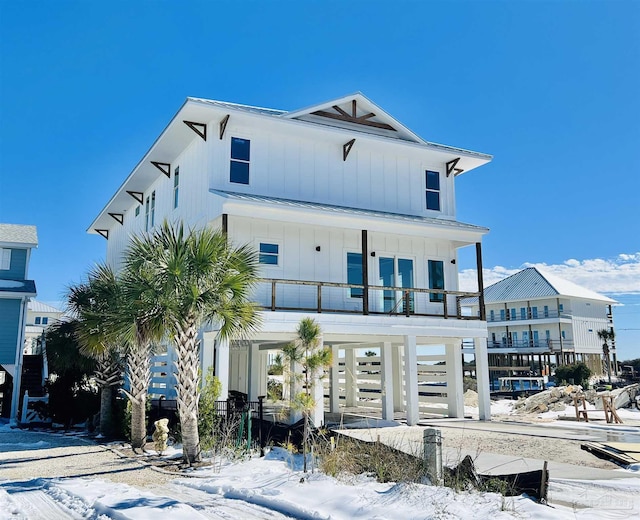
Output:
x,y
395,272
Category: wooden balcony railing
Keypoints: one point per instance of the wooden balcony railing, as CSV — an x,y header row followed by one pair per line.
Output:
x,y
396,301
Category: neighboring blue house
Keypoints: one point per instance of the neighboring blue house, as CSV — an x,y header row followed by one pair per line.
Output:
x,y
16,242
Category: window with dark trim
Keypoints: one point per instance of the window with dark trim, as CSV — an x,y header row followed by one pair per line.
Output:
x,y
433,190
137,210
436,279
153,208
146,214
269,253
38,320
354,274
45,321
176,186
240,157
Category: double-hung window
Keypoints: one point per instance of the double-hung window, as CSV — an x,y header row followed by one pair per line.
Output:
x,y
153,208
240,156
146,214
5,259
268,254
150,211
38,320
436,279
176,186
433,190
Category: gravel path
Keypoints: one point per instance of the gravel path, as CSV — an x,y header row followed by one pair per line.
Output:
x,y
25,455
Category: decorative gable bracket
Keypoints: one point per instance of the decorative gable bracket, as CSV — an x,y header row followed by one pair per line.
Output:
x,y
451,167
118,217
343,115
346,148
163,167
223,125
198,128
138,195
103,232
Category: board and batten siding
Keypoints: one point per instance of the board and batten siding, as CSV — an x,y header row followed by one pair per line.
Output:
x,y
18,266
9,322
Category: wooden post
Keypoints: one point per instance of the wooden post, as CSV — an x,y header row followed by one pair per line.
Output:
x,y
365,273
225,224
483,311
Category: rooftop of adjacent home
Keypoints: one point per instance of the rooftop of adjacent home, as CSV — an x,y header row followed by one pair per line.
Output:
x,y
533,283
18,235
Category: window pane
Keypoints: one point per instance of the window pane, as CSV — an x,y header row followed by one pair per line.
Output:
x,y
433,200
433,180
239,172
436,279
268,259
354,273
240,148
269,248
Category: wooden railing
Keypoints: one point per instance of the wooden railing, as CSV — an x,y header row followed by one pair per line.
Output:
x,y
405,301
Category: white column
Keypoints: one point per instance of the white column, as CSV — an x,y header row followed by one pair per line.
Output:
x,y
386,369
411,379
350,377
455,390
482,378
222,366
318,393
256,368
207,344
398,378
334,388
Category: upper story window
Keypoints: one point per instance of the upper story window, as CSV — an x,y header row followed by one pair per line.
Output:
x,y
240,154
523,313
433,190
150,211
176,186
137,210
534,313
5,259
502,315
45,320
436,279
354,274
38,320
268,254
492,315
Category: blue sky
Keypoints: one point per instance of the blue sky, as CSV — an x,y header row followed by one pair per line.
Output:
x,y
550,88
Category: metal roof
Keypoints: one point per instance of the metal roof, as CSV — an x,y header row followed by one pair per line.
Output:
x,y
18,234
36,306
531,283
346,210
237,106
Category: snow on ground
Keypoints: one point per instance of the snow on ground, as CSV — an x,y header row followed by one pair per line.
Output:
x,y
275,487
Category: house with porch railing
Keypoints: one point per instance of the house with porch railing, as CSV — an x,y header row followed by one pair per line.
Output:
x,y
536,320
353,216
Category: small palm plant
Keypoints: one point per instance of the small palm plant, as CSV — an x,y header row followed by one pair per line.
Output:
x,y
307,352
606,336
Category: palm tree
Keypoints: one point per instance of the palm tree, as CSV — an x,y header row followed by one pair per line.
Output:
x,y
306,352
89,302
189,279
606,336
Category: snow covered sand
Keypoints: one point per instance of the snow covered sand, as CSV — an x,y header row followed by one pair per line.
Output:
x,y
271,487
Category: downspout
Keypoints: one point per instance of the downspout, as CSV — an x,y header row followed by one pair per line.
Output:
x,y
17,376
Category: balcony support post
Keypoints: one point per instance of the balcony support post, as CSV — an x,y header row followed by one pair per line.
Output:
x,y
483,311
365,272
411,380
455,394
483,380
386,368
222,366
350,377
334,389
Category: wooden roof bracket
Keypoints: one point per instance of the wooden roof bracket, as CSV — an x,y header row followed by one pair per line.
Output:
x,y
138,195
163,167
346,148
223,125
198,128
451,167
118,217
103,232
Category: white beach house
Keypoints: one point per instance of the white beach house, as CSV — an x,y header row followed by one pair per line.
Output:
x,y
536,319
354,217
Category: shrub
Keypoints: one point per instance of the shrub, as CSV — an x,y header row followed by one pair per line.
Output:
x,y
579,374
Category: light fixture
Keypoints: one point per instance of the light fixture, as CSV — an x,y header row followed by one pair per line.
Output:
x,y
317,248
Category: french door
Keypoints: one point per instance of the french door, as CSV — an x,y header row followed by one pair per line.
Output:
x,y
395,272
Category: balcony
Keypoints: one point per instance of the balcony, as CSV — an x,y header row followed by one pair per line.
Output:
x,y
274,294
551,314
551,345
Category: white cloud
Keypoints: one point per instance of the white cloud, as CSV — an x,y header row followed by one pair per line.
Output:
x,y
620,275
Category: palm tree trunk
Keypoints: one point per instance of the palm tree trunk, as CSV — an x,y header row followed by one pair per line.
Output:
x,y
188,389
139,375
108,375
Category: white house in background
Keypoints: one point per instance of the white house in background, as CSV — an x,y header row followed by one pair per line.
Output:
x,y
39,316
354,217
535,319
